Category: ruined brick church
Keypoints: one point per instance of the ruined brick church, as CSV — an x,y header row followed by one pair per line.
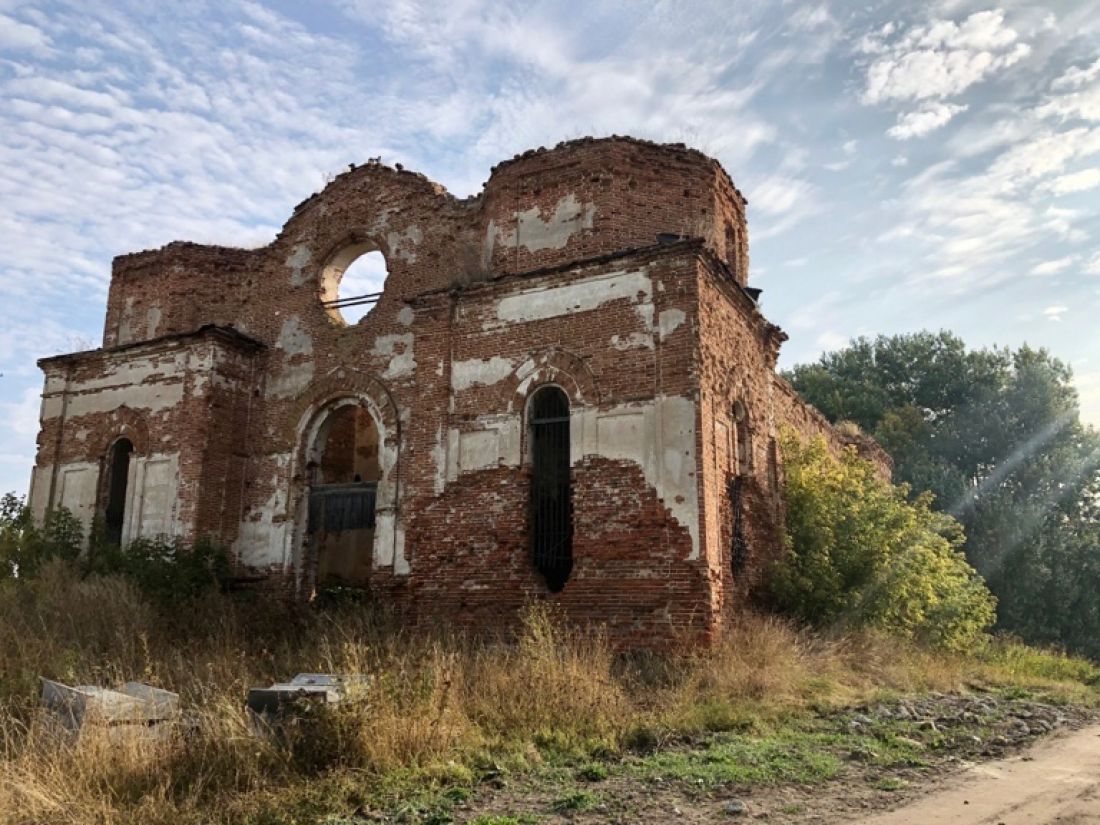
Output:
x,y
566,390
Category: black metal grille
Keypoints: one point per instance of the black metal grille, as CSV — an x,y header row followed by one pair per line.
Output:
x,y
551,488
352,301
739,546
337,507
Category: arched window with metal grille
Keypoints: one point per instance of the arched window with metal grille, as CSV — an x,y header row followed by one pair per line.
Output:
x,y
551,486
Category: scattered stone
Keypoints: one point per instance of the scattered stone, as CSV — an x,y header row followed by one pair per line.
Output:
x,y
735,807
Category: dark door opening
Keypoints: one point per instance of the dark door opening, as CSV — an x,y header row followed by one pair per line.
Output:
x,y
551,488
342,493
118,473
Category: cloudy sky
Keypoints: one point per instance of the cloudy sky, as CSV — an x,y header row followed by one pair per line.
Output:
x,y
907,166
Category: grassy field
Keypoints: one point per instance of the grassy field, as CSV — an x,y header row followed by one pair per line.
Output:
x,y
444,713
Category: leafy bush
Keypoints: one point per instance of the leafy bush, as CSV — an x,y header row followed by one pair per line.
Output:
x,y
166,570
863,555
25,546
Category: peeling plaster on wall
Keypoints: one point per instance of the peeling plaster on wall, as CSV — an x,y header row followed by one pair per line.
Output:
x,y
130,372
403,244
39,498
294,338
399,350
657,435
297,260
126,323
152,321
635,340
261,540
439,457
291,380
152,397
579,296
78,483
532,232
405,316
476,372
669,320
495,442
153,497
389,543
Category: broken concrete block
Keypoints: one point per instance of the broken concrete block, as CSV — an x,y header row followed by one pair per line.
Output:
x,y
322,688
132,708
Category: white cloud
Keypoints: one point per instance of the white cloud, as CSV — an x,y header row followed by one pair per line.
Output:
x,y
939,60
1055,266
778,195
1083,104
923,121
1088,390
1075,182
832,340
21,416
1077,76
1055,312
17,36
1093,265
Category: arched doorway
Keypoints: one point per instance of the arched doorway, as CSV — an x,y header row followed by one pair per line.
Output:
x,y
118,475
344,470
551,486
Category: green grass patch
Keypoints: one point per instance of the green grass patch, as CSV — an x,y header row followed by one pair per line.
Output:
x,y
889,783
784,757
576,801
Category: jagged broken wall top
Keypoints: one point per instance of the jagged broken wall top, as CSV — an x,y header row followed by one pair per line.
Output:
x,y
545,208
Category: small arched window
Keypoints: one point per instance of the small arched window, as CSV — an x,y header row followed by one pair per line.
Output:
x,y
352,282
551,486
118,475
743,438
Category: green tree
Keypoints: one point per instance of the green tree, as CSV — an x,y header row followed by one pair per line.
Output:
x,y
862,554
995,436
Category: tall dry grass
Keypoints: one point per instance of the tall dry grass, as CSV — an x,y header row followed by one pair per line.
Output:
x,y
441,707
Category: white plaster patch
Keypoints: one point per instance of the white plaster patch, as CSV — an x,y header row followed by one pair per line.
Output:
x,y
152,321
669,320
152,397
126,323
476,372
399,350
533,232
405,316
78,483
39,498
154,493
478,450
261,542
657,435
294,338
635,340
297,261
403,244
439,457
291,380
579,296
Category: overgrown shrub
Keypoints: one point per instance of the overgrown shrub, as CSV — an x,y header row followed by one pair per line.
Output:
x,y
25,546
862,555
166,570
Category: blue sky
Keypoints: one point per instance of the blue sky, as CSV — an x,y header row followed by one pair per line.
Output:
x,y
907,166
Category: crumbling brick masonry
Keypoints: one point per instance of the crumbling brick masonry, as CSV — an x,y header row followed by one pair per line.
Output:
x,y
566,390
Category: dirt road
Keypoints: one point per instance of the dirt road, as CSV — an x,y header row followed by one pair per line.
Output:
x,y
1057,781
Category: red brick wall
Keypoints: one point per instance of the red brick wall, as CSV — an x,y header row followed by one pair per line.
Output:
x,y
554,273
